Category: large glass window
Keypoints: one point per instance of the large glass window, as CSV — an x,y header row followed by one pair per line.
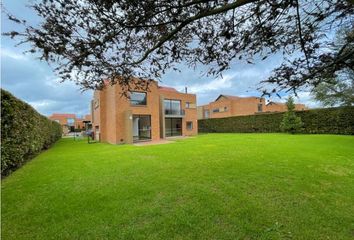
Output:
x,y
172,107
70,121
141,127
138,98
173,127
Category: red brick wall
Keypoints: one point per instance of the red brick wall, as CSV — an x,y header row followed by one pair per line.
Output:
x,y
113,108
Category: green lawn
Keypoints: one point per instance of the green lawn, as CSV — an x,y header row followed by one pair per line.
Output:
x,y
215,186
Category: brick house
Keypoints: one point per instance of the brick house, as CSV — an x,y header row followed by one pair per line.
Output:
x,y
157,113
227,106
83,123
281,107
68,121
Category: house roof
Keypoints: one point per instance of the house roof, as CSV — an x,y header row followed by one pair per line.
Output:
x,y
63,115
271,102
230,97
168,89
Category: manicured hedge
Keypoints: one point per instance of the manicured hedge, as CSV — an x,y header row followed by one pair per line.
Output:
x,y
24,132
327,120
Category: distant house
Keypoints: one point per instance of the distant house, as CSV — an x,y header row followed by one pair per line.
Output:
x,y
87,121
66,120
153,114
70,122
281,107
227,106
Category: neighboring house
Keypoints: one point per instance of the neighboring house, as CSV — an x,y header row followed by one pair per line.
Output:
x,y
70,122
151,114
281,107
79,123
66,120
227,106
87,122
88,118
83,123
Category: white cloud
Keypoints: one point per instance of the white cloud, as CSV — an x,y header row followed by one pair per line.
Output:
x,y
11,54
306,98
220,83
41,104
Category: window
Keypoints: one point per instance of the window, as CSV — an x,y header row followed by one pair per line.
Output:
x,y
173,127
189,125
188,104
216,110
206,114
172,107
141,127
70,121
222,109
260,107
96,103
138,98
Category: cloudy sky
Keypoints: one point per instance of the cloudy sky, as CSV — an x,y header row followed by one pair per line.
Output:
x,y
33,81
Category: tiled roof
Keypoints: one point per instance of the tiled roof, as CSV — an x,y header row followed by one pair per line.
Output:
x,y
169,89
271,102
66,115
231,97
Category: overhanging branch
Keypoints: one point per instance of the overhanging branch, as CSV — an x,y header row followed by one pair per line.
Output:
x,y
214,11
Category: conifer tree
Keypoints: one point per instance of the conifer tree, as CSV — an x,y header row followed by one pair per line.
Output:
x,y
291,123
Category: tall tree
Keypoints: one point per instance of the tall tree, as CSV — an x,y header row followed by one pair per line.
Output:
x,y
92,40
336,91
338,88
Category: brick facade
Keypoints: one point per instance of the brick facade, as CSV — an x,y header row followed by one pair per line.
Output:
x,y
227,106
69,121
116,120
66,120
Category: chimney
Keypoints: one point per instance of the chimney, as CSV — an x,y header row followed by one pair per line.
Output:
x,y
185,89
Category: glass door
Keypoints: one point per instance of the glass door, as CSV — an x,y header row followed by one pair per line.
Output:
x,y
141,127
173,127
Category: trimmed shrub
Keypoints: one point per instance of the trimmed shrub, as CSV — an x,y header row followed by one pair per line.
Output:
x,y
24,132
327,120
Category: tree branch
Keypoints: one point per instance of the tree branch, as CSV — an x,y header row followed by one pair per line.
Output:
x,y
302,42
214,11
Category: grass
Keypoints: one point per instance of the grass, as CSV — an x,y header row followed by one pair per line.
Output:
x,y
215,186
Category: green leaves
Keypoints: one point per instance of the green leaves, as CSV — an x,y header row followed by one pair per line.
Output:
x,y
316,121
24,132
291,123
91,40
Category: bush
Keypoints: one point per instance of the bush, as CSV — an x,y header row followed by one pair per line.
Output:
x,y
24,132
327,120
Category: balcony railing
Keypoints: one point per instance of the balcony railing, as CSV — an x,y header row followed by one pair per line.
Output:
x,y
174,112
